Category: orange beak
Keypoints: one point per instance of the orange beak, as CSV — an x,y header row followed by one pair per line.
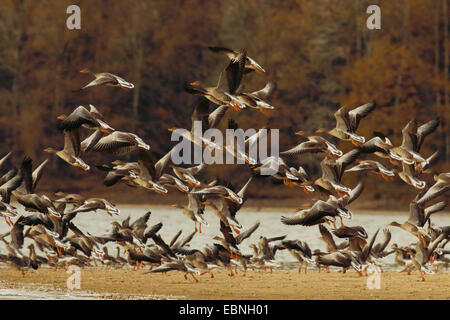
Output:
x,y
300,133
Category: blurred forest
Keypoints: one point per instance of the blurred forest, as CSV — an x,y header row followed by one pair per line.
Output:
x,y
320,54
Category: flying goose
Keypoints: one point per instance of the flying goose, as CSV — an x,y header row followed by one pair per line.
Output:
x,y
106,78
72,151
347,123
82,117
250,64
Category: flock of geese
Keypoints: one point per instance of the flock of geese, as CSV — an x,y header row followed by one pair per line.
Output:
x,y
48,222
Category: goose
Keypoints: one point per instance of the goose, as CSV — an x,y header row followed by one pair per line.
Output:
x,y
424,252
256,99
320,212
219,95
278,169
440,187
415,222
94,204
191,213
350,232
315,144
19,261
250,64
219,191
300,250
106,78
188,174
120,143
372,166
342,202
347,123
342,259
413,138
230,242
330,244
408,175
71,152
332,171
378,250
177,265
82,117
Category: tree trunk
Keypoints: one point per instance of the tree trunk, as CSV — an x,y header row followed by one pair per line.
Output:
x,y
446,93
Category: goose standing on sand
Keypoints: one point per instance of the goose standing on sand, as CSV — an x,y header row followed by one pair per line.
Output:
x,y
106,78
347,123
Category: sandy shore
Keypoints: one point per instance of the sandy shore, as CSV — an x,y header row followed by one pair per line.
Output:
x,y
281,284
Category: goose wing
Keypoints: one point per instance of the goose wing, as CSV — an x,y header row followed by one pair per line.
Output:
x,y
216,116
235,71
247,233
266,92
425,130
360,112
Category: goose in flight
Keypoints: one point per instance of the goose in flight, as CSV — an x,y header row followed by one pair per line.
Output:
x,y
82,117
440,187
120,143
320,212
347,123
315,144
72,150
107,79
372,166
250,64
